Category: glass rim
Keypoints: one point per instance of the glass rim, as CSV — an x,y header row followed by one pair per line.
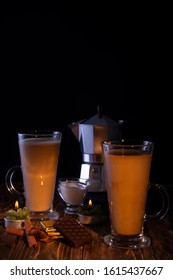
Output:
x,y
127,143
73,179
40,132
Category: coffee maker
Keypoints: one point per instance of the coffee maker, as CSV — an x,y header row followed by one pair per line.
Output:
x,y
90,133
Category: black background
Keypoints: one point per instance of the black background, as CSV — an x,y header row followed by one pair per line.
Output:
x,y
56,67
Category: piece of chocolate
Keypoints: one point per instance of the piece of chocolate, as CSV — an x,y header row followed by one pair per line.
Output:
x,y
73,232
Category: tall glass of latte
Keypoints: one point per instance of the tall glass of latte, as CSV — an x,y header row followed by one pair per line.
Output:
x,y
127,170
39,154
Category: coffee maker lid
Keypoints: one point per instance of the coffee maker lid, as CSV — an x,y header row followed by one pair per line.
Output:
x,y
100,120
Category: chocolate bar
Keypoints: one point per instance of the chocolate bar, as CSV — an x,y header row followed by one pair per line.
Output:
x,y
73,232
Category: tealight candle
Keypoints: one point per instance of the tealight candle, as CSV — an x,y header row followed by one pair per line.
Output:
x,y
15,218
91,214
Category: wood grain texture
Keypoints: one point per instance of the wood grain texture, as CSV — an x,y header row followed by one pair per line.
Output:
x,y
160,232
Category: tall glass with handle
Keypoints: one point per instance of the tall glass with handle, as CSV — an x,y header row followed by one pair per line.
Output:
x,y
39,154
127,165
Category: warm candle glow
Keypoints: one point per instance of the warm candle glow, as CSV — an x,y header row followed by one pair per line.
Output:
x,y
90,203
16,206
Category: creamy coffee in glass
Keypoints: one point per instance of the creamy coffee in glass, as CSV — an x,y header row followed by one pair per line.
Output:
x,y
127,165
39,154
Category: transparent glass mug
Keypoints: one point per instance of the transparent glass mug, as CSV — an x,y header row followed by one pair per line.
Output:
x,y
39,155
127,165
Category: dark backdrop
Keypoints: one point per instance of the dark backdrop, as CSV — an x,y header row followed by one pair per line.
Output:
x,y
56,67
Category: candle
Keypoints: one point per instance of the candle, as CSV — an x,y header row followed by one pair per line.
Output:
x,y
15,217
16,205
90,213
90,204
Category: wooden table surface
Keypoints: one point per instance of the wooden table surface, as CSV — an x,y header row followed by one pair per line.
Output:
x,y
160,232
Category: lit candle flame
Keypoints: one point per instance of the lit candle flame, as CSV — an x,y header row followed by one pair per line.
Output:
x,y
16,206
90,203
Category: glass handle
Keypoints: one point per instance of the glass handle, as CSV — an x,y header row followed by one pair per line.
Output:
x,y
165,202
9,180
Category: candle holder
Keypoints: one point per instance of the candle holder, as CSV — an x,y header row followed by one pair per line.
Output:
x,y
16,218
17,224
91,214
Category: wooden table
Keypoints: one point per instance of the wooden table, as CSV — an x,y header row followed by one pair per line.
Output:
x,y
160,232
